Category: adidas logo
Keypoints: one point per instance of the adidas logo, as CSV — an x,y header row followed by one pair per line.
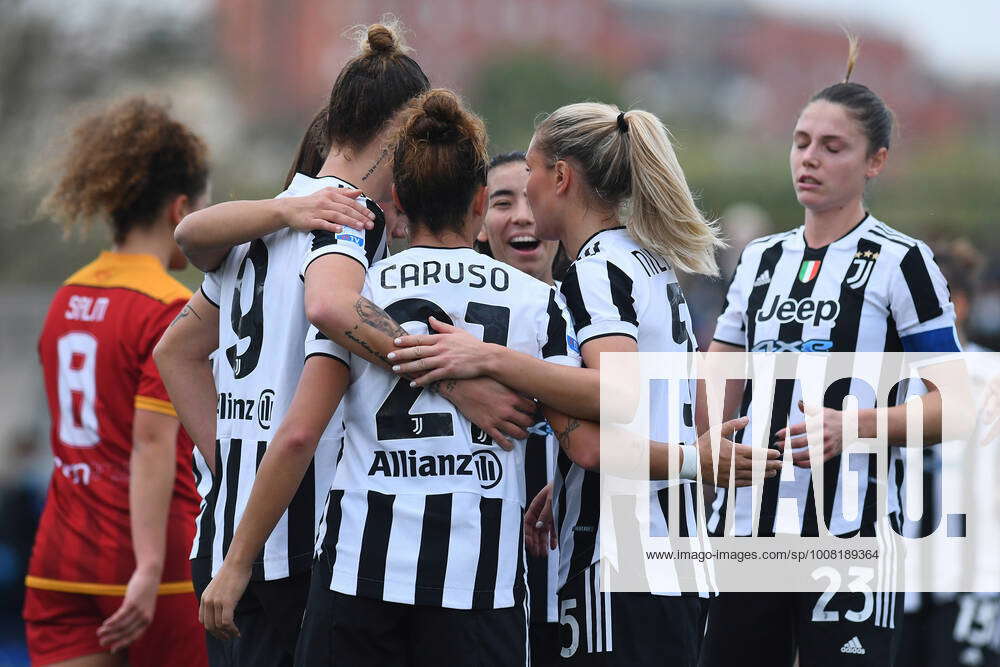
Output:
x,y
853,646
763,279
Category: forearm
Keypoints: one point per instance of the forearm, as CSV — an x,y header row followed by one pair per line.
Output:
x,y
206,236
573,391
279,476
372,331
896,421
151,482
626,454
191,387
357,324
182,359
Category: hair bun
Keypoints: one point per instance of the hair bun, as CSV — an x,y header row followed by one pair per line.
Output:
x,y
381,39
441,118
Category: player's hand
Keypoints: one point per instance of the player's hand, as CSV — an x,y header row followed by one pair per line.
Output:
x,y
735,460
825,424
135,614
218,602
491,406
539,527
452,353
329,209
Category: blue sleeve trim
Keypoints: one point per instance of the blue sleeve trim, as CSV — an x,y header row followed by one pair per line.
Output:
x,y
935,340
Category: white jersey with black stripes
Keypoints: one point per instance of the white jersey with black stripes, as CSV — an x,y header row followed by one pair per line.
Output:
x,y
426,509
262,328
959,474
616,287
872,290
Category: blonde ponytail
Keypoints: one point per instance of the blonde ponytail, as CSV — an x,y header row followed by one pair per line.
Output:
x,y
629,161
664,216
853,49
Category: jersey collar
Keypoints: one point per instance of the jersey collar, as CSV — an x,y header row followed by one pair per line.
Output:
x,y
594,236
850,239
303,185
128,259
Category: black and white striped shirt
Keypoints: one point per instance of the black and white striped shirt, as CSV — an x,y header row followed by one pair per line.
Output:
x,y
262,329
425,508
872,290
959,479
543,571
616,287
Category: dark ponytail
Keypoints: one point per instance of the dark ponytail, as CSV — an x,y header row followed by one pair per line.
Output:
x,y
440,160
867,108
372,87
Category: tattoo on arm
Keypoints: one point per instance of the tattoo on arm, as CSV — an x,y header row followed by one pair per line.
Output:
x,y
185,311
563,435
377,318
364,345
443,387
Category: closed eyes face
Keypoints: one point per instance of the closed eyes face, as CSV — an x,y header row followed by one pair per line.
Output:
x,y
829,157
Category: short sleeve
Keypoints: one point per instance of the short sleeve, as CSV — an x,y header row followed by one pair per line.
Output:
x,y
150,393
559,344
211,286
730,328
364,246
920,304
318,344
601,298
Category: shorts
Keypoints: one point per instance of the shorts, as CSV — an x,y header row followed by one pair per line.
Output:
x,y
544,641
610,629
269,616
961,631
347,630
61,626
766,629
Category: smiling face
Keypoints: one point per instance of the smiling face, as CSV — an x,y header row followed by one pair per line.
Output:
x,y
829,158
510,225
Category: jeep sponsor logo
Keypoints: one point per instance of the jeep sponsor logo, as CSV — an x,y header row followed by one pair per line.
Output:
x,y
247,409
803,311
483,464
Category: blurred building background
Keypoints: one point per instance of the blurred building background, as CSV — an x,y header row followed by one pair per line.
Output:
x,y
727,76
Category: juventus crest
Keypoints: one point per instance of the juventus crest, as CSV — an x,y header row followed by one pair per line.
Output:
x,y
861,268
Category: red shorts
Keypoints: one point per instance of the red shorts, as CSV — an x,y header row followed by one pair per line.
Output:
x,y
61,626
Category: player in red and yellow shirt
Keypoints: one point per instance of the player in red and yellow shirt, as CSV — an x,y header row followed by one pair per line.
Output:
x,y
109,579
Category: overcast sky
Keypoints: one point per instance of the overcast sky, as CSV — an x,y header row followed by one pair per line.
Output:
x,y
959,38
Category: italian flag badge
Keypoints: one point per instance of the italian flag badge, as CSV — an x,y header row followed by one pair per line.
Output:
x,y
809,269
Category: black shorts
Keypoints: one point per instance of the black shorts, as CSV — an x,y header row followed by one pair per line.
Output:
x,y
962,632
544,641
268,616
356,631
766,630
608,629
